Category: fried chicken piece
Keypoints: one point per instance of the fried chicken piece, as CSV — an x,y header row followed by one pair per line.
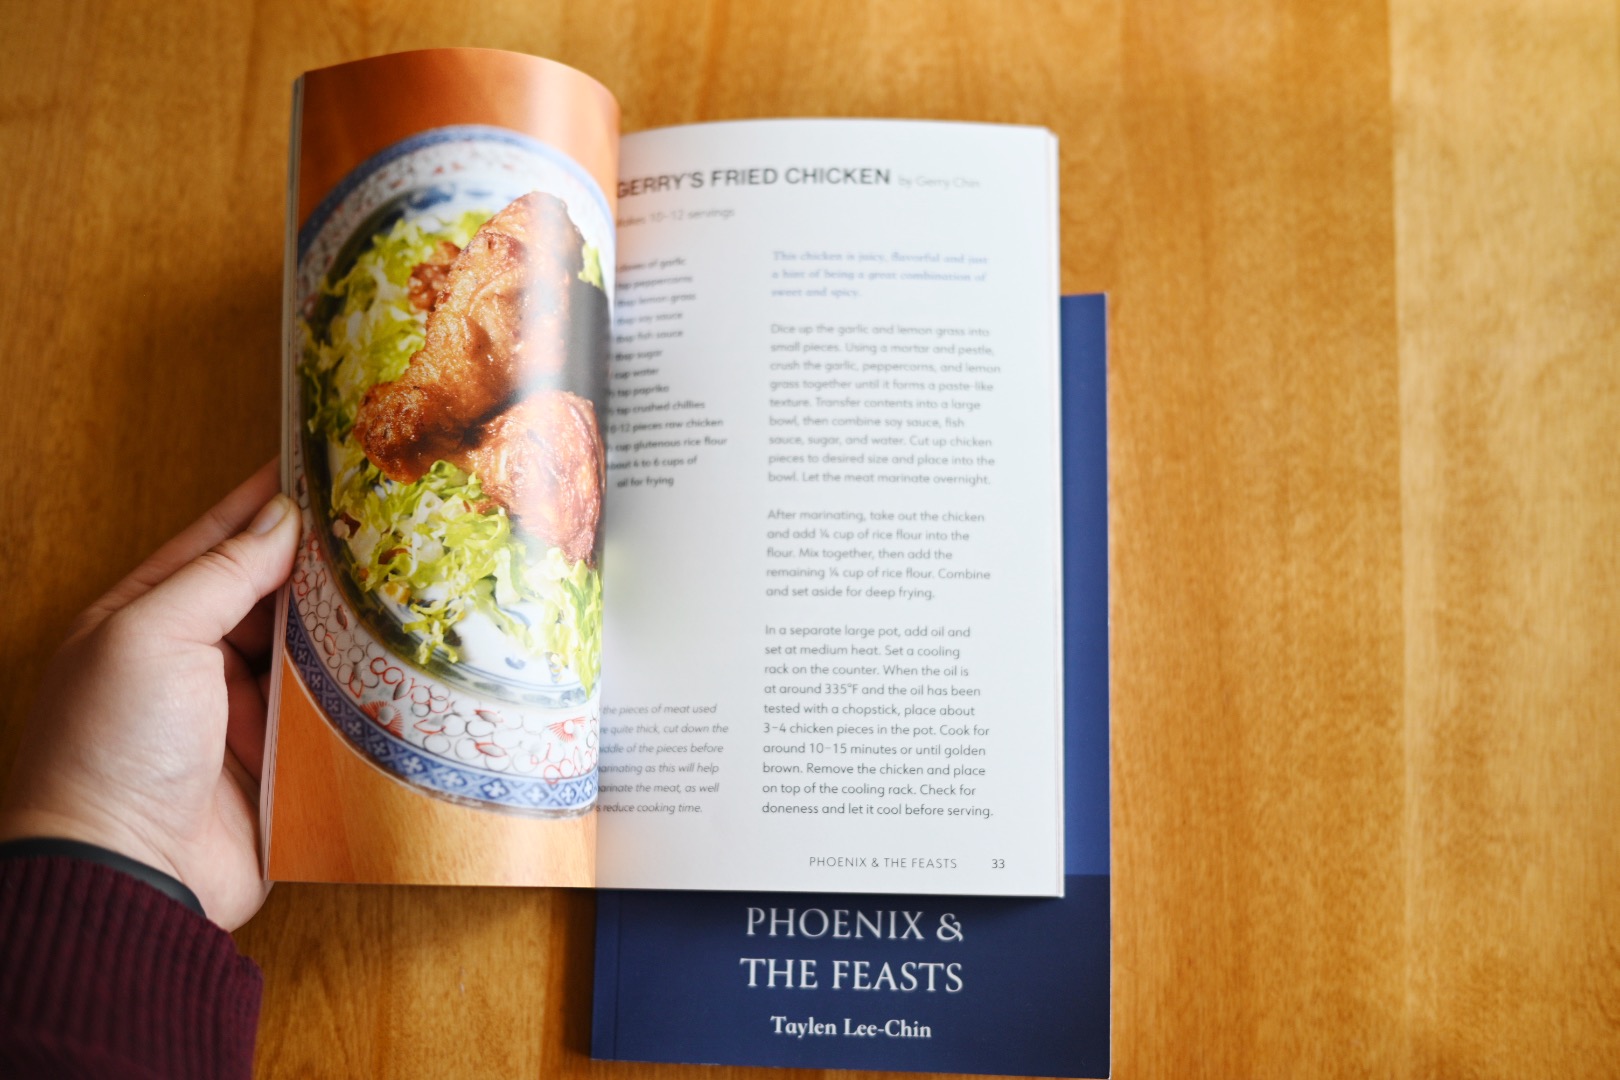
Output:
x,y
543,460
430,276
500,321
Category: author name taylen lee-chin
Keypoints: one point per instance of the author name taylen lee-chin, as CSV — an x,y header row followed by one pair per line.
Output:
x,y
893,1029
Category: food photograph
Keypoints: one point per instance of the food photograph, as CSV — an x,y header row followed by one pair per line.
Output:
x,y
453,298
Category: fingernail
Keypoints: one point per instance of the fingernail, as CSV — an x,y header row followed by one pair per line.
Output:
x,y
270,515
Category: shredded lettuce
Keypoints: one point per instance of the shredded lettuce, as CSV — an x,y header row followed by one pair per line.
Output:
x,y
375,331
437,547
591,272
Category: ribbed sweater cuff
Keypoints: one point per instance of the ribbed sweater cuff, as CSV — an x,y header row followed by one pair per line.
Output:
x,y
101,974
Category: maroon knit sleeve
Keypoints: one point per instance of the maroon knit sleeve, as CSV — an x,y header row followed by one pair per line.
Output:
x,y
103,975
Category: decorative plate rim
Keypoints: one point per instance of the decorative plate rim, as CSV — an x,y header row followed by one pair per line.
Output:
x,y
432,137
404,763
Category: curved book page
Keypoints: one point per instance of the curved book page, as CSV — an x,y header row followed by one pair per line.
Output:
x,y
450,273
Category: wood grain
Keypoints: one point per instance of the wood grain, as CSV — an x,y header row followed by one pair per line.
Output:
x,y
1365,496
1509,264
1256,531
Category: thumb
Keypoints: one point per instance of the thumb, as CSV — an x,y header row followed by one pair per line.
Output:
x,y
205,599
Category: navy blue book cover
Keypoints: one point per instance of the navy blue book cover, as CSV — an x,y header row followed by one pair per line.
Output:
x,y
922,984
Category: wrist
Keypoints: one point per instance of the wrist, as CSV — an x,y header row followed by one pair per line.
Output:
x,y
32,822
42,847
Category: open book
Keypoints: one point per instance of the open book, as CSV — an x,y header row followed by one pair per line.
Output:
x,y
681,508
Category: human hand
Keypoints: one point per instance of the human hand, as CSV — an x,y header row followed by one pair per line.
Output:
x,y
148,734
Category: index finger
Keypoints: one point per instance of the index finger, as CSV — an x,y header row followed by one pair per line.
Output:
x,y
225,519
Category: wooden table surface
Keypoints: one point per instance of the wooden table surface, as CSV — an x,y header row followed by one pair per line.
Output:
x,y
1364,262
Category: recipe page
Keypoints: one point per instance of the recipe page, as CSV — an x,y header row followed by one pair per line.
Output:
x,y
832,623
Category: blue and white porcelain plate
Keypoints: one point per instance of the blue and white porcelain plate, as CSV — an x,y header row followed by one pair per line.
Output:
x,y
499,727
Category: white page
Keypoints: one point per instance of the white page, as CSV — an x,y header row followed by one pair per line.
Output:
x,y
922,262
